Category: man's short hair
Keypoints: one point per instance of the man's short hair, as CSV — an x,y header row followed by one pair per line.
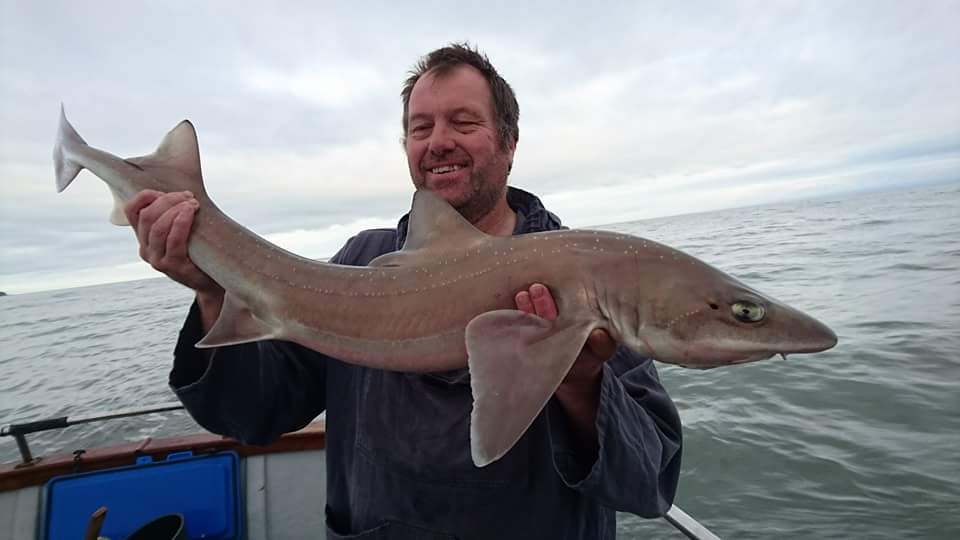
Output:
x,y
505,108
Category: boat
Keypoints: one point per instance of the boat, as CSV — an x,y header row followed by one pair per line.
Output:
x,y
217,486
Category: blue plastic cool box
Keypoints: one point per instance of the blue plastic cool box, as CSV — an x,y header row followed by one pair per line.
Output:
x,y
204,489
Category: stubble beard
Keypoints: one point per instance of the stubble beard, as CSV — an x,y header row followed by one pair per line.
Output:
x,y
482,195
485,193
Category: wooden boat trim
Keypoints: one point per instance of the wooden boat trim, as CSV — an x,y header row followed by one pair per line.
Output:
x,y
19,475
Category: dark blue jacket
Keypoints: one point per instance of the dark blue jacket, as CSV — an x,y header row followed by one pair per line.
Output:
x,y
398,454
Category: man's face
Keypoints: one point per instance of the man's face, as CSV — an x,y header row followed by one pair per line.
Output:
x,y
452,146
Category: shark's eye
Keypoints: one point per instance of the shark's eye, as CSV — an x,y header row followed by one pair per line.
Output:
x,y
748,312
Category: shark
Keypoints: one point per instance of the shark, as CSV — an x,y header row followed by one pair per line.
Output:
x,y
445,301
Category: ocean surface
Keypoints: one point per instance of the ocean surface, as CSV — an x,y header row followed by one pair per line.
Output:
x,y
862,441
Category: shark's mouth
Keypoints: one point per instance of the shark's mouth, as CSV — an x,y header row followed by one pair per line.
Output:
x,y
710,355
706,356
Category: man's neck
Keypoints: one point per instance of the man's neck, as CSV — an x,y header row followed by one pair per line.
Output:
x,y
501,221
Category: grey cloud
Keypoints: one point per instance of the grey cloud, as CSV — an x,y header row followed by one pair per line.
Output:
x,y
611,95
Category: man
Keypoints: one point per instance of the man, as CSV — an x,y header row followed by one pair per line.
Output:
x,y
398,455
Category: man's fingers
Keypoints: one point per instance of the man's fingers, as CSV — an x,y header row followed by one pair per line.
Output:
x,y
524,303
537,301
158,233
162,222
601,344
148,215
139,201
176,246
543,302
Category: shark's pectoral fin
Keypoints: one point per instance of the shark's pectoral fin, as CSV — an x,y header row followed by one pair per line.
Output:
x,y
237,324
516,361
117,215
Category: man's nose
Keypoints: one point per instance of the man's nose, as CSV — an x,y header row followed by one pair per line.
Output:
x,y
441,142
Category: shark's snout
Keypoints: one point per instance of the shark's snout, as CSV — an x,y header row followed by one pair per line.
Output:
x,y
820,339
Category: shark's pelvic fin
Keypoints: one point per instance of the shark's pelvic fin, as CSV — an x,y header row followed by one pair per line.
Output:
x,y
235,325
66,168
516,362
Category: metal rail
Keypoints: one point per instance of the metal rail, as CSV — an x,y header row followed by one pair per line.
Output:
x,y
676,517
20,431
692,528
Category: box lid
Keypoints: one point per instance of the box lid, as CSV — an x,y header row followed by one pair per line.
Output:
x,y
205,489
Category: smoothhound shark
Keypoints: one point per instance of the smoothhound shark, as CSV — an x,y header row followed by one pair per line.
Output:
x,y
446,300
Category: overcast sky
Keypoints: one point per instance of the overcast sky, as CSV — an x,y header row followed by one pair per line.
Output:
x,y
628,110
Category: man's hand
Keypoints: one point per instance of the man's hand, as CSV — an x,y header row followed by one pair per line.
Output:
x,y
579,393
597,350
162,223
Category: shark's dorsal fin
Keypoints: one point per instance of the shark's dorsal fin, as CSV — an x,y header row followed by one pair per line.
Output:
x,y
434,226
178,149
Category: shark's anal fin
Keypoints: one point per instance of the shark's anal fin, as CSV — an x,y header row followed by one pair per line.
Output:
x,y
236,325
516,362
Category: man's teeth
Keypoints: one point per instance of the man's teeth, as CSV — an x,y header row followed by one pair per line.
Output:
x,y
445,169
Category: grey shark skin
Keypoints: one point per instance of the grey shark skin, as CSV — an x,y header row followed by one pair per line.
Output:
x,y
445,300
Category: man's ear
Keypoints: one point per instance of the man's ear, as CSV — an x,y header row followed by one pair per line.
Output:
x,y
512,148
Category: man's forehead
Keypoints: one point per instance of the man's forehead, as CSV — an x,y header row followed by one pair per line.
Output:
x,y
458,87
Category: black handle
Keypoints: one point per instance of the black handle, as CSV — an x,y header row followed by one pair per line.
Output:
x,y
33,427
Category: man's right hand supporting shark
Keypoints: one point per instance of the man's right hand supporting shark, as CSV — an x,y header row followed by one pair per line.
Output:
x,y
162,223
579,393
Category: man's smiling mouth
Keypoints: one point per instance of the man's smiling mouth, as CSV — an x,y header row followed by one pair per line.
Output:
x,y
445,169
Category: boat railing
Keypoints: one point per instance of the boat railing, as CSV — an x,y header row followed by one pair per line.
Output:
x,y
20,431
675,516
683,522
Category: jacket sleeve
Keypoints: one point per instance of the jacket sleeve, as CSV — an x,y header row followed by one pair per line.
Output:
x,y
252,392
639,438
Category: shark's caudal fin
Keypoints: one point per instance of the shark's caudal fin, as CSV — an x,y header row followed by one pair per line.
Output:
x,y
67,168
235,325
178,150
516,361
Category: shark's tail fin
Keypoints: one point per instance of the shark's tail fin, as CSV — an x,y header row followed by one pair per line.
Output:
x,y
67,168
